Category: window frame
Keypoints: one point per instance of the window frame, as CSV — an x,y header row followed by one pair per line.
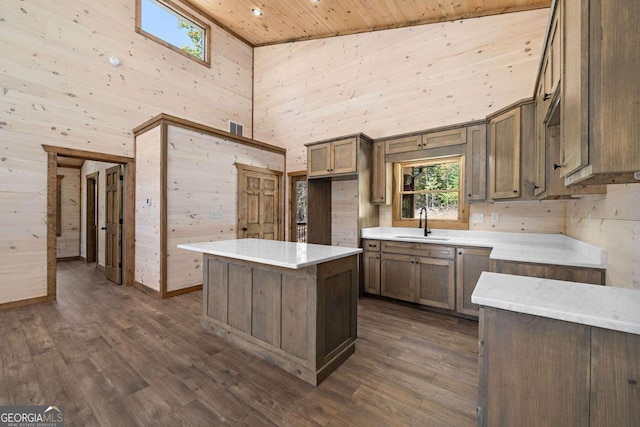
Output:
x,y
462,223
187,16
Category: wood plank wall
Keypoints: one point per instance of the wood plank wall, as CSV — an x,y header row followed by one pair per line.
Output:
x,y
68,243
148,175
88,168
202,196
611,221
58,88
396,81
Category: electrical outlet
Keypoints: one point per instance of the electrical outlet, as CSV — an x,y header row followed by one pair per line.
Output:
x,y
215,214
478,217
495,217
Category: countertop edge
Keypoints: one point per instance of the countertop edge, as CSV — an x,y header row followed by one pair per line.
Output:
x,y
490,283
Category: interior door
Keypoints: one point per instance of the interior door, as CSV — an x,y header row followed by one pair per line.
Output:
x,y
92,223
113,235
258,203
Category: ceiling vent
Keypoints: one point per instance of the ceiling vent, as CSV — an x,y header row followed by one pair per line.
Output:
x,y
236,128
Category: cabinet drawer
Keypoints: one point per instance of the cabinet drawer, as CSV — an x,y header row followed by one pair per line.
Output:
x,y
371,245
419,249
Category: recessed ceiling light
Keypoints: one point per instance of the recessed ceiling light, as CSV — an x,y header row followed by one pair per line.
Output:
x,y
256,11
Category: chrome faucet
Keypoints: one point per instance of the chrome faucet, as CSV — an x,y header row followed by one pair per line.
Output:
x,y
426,215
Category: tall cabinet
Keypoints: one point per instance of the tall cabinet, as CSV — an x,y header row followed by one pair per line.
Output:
x,y
339,190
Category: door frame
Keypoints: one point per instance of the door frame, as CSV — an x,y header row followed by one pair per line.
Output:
x,y
294,178
92,216
281,203
128,233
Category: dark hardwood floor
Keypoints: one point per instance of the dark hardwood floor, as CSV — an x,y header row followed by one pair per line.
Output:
x,y
115,356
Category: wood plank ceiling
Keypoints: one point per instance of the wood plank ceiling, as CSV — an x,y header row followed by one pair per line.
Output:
x,y
292,20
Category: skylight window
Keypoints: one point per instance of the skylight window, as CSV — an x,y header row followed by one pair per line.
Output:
x,y
173,27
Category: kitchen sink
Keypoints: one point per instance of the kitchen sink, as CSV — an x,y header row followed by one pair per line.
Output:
x,y
408,236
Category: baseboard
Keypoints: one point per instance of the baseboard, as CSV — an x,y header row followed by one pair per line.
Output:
x,y
177,292
146,289
30,301
100,267
69,258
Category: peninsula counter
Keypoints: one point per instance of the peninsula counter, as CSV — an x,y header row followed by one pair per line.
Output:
x,y
291,304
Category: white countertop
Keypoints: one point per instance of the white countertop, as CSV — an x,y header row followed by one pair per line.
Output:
x,y
523,247
601,306
272,252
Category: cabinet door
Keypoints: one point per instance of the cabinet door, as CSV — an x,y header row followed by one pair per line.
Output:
x,y
435,282
540,141
534,371
504,156
615,378
344,156
372,272
319,160
397,276
552,67
476,163
379,174
404,144
574,135
469,265
444,138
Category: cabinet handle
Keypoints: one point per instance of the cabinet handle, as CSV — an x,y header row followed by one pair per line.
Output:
x,y
546,97
556,166
535,187
459,253
515,191
469,195
372,246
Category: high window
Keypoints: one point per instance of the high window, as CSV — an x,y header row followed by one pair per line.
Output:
x,y
173,27
433,184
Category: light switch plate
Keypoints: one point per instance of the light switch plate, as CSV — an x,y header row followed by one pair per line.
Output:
x,y
477,217
495,217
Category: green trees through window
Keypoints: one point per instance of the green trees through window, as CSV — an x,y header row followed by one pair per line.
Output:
x,y
432,184
166,23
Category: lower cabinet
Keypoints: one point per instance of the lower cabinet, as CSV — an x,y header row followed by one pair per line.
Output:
x,y
427,280
545,271
470,263
371,269
538,371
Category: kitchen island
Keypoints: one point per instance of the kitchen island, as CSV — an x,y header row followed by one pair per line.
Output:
x,y
291,304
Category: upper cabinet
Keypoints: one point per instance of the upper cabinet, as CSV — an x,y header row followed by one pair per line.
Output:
x,y
381,177
476,163
511,134
599,139
428,140
332,158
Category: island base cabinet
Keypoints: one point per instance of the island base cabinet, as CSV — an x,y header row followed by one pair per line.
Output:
x,y
302,320
534,371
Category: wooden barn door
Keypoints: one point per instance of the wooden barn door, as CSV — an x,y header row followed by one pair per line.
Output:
x,y
258,203
113,235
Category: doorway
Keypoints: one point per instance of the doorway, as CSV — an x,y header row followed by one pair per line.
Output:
x,y
113,225
259,203
126,209
91,223
298,206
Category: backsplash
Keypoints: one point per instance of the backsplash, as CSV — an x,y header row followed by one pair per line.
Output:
x,y
529,217
611,221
